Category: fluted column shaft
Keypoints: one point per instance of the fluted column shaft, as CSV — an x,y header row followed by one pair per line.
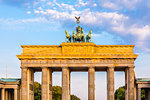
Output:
x,y
30,84
16,94
6,94
24,86
110,83
3,94
46,84
139,93
9,95
91,83
126,83
130,83
65,84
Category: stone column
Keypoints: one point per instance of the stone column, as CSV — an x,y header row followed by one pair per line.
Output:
x,y
135,91
15,94
50,84
0,94
91,83
131,83
30,84
3,93
9,95
110,83
65,84
24,90
139,93
46,84
6,94
126,84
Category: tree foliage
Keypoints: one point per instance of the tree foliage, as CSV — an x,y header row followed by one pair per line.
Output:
x,y
73,97
120,94
56,91
37,91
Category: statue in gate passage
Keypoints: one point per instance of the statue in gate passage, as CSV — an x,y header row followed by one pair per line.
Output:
x,y
79,36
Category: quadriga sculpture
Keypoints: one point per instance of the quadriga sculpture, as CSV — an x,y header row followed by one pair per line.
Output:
x,y
79,36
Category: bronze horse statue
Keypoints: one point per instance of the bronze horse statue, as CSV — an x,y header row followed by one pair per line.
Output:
x,y
74,37
88,37
68,36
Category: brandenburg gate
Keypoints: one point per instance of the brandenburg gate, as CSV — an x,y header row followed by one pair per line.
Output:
x,y
76,56
69,57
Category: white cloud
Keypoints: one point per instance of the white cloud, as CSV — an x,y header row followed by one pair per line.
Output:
x,y
49,3
81,3
130,4
87,17
19,21
28,12
94,4
119,4
68,7
36,11
110,5
43,0
140,34
111,21
40,8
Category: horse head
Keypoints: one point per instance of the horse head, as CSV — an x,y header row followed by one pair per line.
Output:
x,y
90,32
66,32
73,32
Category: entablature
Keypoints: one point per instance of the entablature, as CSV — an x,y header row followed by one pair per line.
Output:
x,y
76,50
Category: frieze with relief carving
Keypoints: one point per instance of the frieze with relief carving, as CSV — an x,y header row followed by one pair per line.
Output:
x,y
80,61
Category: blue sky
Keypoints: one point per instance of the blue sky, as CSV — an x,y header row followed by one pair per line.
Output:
x,y
43,22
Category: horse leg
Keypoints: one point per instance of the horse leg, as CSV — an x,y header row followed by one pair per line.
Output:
x,y
65,39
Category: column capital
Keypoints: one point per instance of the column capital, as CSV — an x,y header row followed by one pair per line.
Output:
x,y
111,66
91,67
44,67
131,66
65,68
139,88
16,88
24,67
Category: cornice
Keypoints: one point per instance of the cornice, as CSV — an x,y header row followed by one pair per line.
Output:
x,y
116,56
